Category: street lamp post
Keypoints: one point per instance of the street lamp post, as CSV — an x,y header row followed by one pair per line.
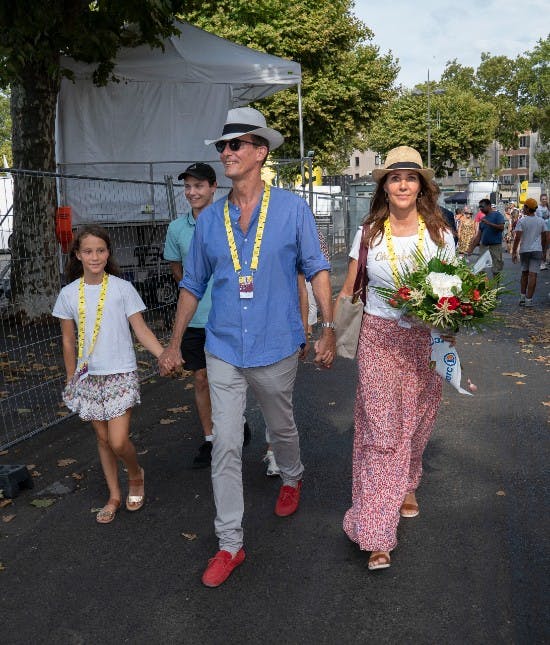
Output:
x,y
429,123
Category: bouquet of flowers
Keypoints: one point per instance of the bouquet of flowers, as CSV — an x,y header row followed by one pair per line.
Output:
x,y
445,293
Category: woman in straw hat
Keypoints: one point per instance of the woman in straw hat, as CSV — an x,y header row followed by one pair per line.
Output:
x,y
398,394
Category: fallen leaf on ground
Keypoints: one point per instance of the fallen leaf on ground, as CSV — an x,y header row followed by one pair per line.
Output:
x,y
190,536
143,452
77,476
501,493
164,422
520,382
65,462
31,466
516,374
2,567
546,403
4,452
332,402
42,503
4,502
8,518
62,413
189,386
24,410
35,473
181,408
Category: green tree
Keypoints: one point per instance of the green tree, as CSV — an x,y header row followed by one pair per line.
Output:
x,y
33,37
461,126
345,80
533,87
519,89
5,126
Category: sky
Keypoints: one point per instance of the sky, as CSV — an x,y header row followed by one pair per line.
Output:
x,y
425,34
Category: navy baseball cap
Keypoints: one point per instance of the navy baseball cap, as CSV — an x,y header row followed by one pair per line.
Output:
x,y
199,170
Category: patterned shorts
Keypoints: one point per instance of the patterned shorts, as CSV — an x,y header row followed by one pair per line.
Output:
x,y
102,397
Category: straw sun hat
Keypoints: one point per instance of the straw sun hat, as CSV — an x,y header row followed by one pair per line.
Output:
x,y
402,158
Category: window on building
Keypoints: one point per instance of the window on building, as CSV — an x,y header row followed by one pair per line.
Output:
x,y
522,161
463,172
506,180
356,175
507,161
356,161
522,178
524,141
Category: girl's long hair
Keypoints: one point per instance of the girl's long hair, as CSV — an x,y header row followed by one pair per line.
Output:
x,y
74,268
426,204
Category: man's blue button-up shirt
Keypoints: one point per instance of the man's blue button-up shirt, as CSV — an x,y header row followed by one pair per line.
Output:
x,y
258,331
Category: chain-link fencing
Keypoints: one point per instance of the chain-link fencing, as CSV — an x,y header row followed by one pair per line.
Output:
x,y
136,213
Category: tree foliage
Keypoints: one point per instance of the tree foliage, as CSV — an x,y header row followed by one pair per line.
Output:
x,y
518,88
345,80
461,126
5,127
33,37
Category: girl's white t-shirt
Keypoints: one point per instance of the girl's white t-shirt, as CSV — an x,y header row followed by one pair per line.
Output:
x,y
379,269
114,350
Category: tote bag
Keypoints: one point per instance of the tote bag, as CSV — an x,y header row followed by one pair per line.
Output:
x,y
349,310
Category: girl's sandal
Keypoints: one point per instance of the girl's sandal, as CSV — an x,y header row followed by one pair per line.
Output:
x,y
106,515
135,502
379,560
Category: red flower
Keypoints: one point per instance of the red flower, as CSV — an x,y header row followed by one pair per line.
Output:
x,y
393,302
404,293
476,295
451,303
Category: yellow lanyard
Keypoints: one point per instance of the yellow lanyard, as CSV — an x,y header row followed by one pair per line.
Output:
x,y
82,315
259,232
391,248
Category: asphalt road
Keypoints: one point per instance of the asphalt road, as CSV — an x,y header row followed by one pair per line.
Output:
x,y
472,568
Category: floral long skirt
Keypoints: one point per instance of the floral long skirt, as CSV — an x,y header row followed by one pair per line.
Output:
x,y
395,410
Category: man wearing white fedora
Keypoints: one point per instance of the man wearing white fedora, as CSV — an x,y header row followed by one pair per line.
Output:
x,y
253,243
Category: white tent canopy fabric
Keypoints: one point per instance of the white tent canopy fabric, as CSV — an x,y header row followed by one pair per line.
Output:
x,y
163,107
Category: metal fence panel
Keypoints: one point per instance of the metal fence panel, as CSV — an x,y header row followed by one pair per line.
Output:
x,y
136,215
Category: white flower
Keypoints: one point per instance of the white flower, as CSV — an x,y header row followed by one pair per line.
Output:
x,y
442,284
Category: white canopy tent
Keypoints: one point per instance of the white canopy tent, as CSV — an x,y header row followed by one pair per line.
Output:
x,y
167,102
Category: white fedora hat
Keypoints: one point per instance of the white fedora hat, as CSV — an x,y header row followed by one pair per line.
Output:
x,y
246,120
402,158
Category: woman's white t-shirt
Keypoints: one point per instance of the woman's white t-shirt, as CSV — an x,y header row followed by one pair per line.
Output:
x,y
114,349
379,269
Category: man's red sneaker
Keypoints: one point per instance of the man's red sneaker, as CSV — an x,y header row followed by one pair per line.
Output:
x,y
220,567
288,500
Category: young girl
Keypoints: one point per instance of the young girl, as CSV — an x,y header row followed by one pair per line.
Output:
x,y
102,382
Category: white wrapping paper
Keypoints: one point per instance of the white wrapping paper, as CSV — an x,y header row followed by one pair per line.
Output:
x,y
446,362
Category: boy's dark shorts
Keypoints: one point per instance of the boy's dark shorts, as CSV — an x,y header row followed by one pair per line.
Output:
x,y
192,349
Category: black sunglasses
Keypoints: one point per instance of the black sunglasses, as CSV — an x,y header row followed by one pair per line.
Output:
x,y
234,144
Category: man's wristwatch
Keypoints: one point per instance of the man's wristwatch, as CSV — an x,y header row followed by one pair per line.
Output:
x,y
327,325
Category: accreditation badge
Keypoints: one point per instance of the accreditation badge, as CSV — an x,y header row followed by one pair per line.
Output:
x,y
246,286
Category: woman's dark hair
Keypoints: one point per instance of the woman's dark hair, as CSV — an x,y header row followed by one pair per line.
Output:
x,y
74,268
426,204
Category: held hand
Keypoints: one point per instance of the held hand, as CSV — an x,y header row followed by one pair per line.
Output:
x,y
515,258
325,349
449,338
169,360
304,351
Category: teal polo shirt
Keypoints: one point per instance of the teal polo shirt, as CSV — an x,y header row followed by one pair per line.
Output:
x,y
178,239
